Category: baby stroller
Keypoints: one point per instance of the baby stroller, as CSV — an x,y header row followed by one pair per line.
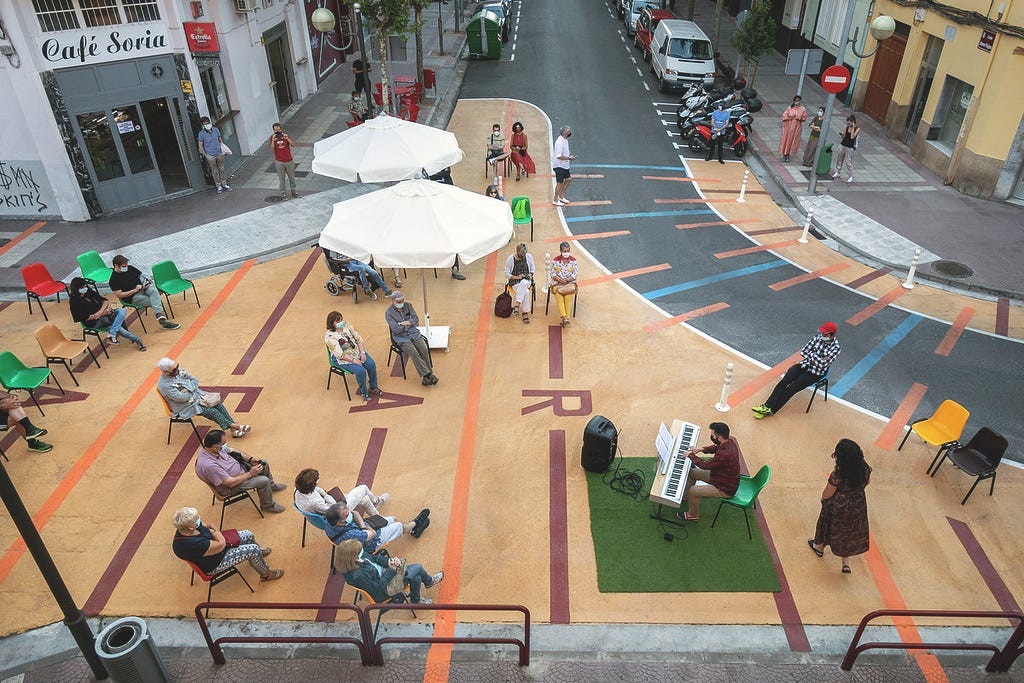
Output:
x,y
341,279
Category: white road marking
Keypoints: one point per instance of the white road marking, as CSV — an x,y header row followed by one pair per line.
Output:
x,y
512,58
639,72
665,104
632,59
647,87
667,123
671,133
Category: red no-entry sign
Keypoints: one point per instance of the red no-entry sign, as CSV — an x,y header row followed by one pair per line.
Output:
x,y
835,79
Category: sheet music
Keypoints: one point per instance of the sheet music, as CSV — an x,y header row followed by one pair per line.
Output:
x,y
664,442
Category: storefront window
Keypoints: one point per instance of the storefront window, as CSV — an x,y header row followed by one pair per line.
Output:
x,y
953,102
100,13
56,15
133,139
141,10
99,142
212,77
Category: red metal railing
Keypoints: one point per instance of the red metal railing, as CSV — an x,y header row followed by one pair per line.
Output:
x,y
1001,660
523,645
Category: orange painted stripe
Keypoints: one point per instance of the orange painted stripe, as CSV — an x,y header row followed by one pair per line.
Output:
x,y
690,315
588,236
807,277
876,306
955,330
684,226
75,474
891,597
894,427
31,229
755,249
624,274
575,176
696,201
596,202
764,379
682,180
439,656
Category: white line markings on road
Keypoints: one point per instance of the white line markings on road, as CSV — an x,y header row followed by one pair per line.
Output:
x,y
647,87
670,133
667,123
631,57
639,72
512,58
665,104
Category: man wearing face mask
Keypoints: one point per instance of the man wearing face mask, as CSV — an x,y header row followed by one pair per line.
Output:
x,y
719,120
811,152
95,312
402,320
185,399
211,145
344,524
230,471
132,287
721,473
560,163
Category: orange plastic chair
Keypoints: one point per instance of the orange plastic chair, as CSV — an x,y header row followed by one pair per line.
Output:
x,y
59,349
213,579
39,283
943,428
178,420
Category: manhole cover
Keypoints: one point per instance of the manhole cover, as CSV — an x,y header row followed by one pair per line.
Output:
x,y
952,269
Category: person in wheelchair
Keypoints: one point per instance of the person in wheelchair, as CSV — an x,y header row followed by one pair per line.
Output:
x,y
372,573
369,278
519,270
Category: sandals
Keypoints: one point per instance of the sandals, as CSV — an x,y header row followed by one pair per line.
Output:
x,y
241,431
272,575
846,569
819,553
515,310
526,318
142,347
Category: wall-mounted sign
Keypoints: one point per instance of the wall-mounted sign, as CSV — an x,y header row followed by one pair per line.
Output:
x,y
95,46
988,39
186,87
201,36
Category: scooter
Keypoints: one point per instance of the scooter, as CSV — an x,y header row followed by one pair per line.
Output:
x,y
736,135
686,125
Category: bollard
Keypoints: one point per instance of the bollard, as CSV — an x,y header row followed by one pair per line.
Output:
x,y
909,282
548,268
807,227
743,188
723,404
499,184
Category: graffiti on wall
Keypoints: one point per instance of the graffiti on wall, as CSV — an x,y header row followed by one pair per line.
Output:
x,y
328,48
25,190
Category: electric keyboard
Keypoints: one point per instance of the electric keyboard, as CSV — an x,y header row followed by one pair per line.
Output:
x,y
670,481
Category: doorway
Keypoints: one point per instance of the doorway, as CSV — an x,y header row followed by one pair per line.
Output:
x,y
278,58
884,72
166,149
923,87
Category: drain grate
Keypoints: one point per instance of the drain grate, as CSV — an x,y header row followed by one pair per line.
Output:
x,y
952,269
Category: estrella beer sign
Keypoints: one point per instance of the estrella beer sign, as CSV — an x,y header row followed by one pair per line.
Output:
x,y
201,36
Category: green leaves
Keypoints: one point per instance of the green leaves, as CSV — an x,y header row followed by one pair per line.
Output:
x,y
388,17
756,36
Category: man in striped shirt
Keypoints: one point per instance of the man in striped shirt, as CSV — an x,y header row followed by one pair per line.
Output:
x,y
818,355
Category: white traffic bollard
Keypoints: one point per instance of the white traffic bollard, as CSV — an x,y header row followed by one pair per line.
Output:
x,y
548,268
743,188
909,282
807,227
497,181
723,404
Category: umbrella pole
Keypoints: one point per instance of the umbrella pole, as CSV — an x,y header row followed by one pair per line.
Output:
x,y
426,311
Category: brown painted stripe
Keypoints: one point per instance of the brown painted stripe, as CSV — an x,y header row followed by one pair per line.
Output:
x,y
624,274
275,316
807,277
771,231
335,582
1003,316
558,529
955,330
555,352
878,305
588,236
689,315
738,221
755,249
4,305
1000,591
864,279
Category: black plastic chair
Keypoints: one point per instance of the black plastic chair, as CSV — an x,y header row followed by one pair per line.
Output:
x,y
231,499
396,349
547,301
820,384
979,458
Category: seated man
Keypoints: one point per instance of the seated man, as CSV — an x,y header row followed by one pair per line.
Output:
x,y
402,320
229,471
14,416
343,524
496,146
94,311
132,287
720,474
212,552
183,395
519,270
365,273
311,498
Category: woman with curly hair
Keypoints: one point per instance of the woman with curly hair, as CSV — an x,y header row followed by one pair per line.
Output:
x,y
843,520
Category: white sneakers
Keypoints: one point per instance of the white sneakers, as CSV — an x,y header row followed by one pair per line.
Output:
x,y
835,175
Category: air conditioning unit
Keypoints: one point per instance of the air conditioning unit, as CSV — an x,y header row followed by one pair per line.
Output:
x,y
244,6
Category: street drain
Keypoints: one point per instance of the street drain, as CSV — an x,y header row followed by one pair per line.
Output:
x,y
952,269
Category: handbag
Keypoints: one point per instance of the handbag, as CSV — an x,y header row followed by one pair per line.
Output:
x,y
231,538
397,583
209,399
503,305
566,289
224,149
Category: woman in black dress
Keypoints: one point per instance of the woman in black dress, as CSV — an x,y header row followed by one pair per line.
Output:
x,y
843,520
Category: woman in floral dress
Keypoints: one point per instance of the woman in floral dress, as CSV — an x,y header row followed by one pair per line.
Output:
x,y
843,520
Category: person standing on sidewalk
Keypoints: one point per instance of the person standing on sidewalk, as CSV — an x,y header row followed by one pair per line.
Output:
x,y
560,163
811,152
792,120
846,147
360,72
818,355
212,146
281,145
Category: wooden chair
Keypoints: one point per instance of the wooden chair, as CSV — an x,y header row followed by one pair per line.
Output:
x,y
231,499
59,349
213,579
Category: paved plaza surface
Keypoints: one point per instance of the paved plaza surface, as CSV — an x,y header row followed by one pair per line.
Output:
x,y
678,279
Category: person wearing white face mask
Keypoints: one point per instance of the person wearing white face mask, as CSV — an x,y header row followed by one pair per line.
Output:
x,y
95,312
185,399
564,272
132,287
230,471
402,320
349,354
214,551
212,146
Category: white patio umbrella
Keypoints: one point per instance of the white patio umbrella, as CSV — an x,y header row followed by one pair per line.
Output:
x,y
385,149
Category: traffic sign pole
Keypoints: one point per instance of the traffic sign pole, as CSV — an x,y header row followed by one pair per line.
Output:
x,y
832,82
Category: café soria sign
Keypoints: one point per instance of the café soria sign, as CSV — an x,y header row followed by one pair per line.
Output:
x,y
106,44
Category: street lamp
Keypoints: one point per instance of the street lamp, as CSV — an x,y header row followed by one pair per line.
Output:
x,y
324,21
881,29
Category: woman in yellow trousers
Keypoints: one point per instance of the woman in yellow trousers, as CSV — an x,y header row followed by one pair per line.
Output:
x,y
564,272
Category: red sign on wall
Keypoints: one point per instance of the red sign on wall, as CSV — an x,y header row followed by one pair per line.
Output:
x,y
988,39
201,36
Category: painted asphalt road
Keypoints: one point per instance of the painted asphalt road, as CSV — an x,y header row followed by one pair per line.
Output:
x,y
586,77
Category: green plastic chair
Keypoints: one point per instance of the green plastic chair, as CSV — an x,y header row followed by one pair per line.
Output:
x,y
746,495
16,375
93,267
169,281
521,213
140,310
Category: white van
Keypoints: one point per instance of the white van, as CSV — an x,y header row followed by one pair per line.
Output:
x,y
681,55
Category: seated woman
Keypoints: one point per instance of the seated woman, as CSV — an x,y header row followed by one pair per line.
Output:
x,y
371,573
185,398
519,270
93,310
208,549
492,192
520,155
311,498
349,354
564,273
357,107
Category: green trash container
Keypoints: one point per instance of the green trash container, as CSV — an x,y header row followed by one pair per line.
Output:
x,y
824,162
483,33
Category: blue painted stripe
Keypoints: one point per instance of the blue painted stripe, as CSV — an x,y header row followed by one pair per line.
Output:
x,y
652,168
646,214
869,361
729,275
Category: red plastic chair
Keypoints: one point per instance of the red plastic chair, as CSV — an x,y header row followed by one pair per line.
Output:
x,y
410,112
39,283
430,80
214,579
353,123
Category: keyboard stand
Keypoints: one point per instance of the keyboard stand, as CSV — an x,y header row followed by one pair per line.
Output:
x,y
674,522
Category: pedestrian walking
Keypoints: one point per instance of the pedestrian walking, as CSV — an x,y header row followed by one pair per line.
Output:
x,y
846,147
719,120
843,520
562,160
281,145
792,121
818,355
211,144
811,152
361,74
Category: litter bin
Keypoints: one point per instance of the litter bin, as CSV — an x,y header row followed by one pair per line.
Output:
x,y
824,162
483,33
129,653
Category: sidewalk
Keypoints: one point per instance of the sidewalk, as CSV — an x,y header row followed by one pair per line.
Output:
x,y
895,204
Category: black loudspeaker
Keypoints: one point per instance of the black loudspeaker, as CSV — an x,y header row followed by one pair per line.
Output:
x,y
599,441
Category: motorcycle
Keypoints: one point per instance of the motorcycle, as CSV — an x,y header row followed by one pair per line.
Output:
x,y
686,125
736,135
697,104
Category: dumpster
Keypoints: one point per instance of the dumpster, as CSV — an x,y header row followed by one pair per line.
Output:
x,y
483,33
824,162
129,653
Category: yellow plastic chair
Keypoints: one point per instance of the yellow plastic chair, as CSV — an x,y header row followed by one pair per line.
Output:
x,y
943,428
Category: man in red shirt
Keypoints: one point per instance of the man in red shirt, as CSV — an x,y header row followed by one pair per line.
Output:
x,y
281,146
721,473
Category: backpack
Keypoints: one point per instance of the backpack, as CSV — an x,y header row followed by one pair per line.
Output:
x,y
503,305
519,210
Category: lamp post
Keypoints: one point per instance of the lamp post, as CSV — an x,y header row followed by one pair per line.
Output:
x,y
324,21
881,29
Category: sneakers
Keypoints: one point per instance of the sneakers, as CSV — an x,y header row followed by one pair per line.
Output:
x,y
295,194
284,195
167,324
376,391
370,293
835,175
227,187
420,527
36,432
456,275
272,575
762,411
219,189
37,446
278,486
436,578
276,508
423,514
430,380
850,179
425,601
383,498
111,339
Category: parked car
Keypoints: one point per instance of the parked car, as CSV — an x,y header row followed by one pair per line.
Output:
x,y
620,7
633,10
645,25
502,10
681,55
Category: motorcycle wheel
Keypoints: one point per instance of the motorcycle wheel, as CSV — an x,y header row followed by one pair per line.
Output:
x,y
696,142
740,148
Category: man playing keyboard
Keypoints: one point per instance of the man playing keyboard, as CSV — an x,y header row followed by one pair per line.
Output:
x,y
720,473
